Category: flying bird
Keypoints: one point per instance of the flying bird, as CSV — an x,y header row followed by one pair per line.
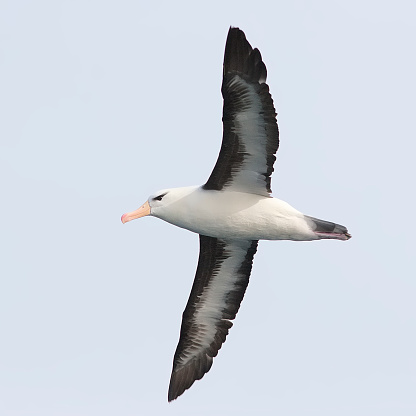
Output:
x,y
231,212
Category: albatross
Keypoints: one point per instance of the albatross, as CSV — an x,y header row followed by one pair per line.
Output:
x,y
231,212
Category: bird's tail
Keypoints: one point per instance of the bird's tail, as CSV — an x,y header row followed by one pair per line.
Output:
x,y
325,229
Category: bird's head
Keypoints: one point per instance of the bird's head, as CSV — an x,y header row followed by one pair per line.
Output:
x,y
152,205
161,204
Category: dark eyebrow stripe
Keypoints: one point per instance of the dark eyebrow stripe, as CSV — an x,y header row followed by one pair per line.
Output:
x,y
159,197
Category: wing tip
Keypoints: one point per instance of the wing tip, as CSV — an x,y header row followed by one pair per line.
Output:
x,y
184,377
241,58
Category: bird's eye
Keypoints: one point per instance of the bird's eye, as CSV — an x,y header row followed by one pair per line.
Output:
x,y
159,197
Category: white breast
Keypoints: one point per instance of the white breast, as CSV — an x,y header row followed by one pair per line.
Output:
x,y
235,215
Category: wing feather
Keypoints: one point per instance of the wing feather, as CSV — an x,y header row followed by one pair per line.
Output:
x,y
220,282
250,132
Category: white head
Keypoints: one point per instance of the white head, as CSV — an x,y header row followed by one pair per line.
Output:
x,y
159,204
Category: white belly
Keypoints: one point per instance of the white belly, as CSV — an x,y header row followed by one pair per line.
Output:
x,y
236,215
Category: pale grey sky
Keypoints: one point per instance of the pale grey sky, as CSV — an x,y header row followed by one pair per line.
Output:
x,y
103,103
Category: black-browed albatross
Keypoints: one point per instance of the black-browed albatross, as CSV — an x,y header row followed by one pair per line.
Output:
x,y
230,212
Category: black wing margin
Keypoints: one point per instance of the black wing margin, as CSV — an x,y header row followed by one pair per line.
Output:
x,y
250,133
221,280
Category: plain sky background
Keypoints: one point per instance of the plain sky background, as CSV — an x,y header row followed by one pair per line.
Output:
x,y
103,103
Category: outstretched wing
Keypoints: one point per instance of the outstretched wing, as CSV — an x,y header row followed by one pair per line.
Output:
x,y
220,282
250,133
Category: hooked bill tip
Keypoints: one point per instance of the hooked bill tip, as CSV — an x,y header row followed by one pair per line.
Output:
x,y
138,213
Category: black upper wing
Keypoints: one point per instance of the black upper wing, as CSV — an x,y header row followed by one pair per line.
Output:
x,y
250,132
220,283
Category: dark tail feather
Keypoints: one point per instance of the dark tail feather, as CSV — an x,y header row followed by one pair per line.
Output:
x,y
326,229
